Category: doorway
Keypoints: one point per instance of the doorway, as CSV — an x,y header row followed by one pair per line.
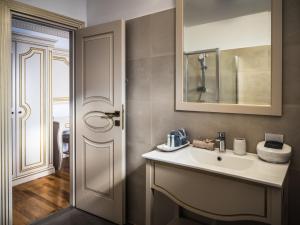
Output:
x,y
40,120
99,115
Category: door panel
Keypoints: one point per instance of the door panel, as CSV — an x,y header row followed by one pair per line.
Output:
x,y
98,68
100,137
60,76
99,157
31,110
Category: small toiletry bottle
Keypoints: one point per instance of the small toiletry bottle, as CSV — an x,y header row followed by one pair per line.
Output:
x,y
169,140
172,140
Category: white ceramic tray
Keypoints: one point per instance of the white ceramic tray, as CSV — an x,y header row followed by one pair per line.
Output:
x,y
166,148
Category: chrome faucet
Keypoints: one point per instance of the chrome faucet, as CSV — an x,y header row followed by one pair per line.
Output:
x,y
221,140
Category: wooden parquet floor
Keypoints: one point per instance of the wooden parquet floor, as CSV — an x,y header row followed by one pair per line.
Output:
x,y
39,198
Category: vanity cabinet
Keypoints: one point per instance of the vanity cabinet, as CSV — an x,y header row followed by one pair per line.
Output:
x,y
215,196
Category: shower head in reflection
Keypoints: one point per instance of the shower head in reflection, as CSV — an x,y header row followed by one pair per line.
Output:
x,y
202,60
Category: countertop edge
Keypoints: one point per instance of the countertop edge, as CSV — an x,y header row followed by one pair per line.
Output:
x,y
274,185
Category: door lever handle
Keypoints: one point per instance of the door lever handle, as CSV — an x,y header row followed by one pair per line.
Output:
x,y
112,115
109,115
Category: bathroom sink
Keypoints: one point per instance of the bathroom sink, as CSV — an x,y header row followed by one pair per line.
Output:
x,y
248,167
214,158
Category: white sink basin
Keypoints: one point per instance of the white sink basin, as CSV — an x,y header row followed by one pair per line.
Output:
x,y
248,167
214,158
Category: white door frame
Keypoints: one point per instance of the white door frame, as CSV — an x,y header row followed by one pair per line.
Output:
x,y
9,9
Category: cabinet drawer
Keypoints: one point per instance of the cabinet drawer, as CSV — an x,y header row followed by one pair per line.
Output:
x,y
209,193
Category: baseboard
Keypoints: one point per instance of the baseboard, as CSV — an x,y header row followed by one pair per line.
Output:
x,y
34,176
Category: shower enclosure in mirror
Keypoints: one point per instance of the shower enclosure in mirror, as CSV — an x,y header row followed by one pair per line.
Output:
x,y
201,76
229,56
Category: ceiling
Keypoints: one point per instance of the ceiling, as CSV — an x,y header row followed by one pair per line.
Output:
x,y
58,36
198,12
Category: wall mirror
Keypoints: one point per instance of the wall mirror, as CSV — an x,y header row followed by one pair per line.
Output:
x,y
229,56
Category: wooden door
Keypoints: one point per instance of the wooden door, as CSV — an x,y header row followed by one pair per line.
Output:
x,y
100,133
31,101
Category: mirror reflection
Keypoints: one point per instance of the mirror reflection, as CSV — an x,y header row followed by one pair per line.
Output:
x,y
227,51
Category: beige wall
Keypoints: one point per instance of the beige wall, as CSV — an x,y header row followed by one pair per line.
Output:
x,y
253,74
150,105
229,33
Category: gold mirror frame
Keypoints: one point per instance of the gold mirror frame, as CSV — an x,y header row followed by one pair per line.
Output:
x,y
275,109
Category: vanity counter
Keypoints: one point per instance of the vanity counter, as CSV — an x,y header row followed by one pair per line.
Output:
x,y
248,167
